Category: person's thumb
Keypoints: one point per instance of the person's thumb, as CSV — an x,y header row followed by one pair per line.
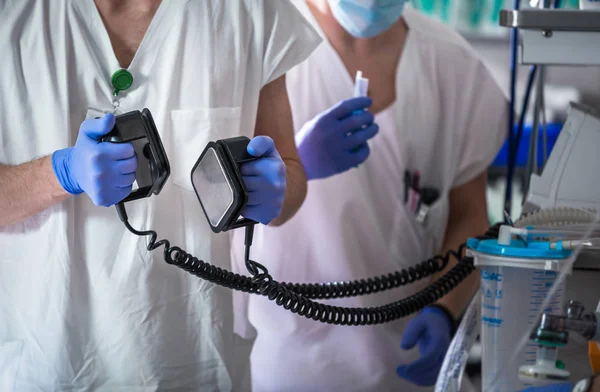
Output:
x,y
413,333
262,146
98,127
402,371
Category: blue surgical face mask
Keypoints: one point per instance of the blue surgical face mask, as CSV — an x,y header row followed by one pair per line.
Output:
x,y
366,18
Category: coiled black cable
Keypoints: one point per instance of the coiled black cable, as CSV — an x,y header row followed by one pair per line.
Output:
x,y
382,283
295,297
372,285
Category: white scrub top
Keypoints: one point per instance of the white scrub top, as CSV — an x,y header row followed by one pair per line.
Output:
x,y
448,122
83,305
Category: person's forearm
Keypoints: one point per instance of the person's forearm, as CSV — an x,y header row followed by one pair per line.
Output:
x,y
295,192
467,218
28,189
274,119
458,299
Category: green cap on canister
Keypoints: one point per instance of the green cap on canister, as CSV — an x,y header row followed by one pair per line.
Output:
x,y
121,80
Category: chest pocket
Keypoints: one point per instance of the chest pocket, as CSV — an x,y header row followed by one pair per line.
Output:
x,y
435,223
429,233
191,131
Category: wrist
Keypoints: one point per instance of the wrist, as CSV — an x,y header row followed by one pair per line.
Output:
x,y
61,166
444,311
307,168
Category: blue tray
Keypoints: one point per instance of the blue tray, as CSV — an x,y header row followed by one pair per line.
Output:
x,y
552,130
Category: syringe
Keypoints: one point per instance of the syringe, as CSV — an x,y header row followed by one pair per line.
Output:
x,y
361,85
361,89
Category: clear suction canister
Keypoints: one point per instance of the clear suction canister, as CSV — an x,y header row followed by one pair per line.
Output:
x,y
516,278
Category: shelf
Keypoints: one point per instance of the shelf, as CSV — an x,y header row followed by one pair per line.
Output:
x,y
553,20
556,37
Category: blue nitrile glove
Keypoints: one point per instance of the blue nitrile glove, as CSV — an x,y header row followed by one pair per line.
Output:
x,y
432,331
104,171
565,387
265,180
336,140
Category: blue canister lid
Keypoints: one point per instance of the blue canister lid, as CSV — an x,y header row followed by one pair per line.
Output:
x,y
518,248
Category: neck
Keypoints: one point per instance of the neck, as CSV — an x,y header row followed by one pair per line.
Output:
x,y
342,41
119,6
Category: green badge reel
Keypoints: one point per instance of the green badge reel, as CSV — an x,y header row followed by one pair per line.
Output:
x,y
121,80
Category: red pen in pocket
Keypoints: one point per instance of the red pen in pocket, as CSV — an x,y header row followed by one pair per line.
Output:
x,y
416,193
415,184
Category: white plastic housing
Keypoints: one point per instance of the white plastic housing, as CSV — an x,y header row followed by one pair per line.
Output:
x,y
571,177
